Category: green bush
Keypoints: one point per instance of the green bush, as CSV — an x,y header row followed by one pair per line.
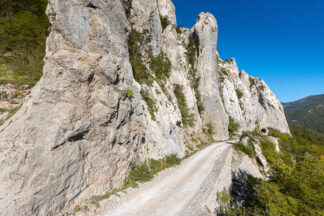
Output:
x,y
136,43
192,51
200,103
164,22
160,66
172,160
145,172
77,209
209,132
178,29
150,104
248,150
187,118
138,174
129,92
239,94
232,126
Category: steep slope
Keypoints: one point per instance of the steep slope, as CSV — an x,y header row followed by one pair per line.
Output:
x,y
308,112
121,84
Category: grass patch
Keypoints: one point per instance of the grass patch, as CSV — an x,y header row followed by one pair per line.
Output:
x,y
187,118
146,171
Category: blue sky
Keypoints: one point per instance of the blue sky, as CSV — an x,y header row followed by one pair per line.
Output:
x,y
280,41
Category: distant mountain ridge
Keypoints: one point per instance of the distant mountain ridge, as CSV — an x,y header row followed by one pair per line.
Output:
x,y
308,112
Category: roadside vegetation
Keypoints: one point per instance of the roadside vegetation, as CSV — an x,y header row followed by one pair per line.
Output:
x,y
233,127
145,172
295,186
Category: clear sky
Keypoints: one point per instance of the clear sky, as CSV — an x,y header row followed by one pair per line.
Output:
x,y
280,41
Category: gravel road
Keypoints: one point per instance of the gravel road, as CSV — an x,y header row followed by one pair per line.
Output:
x,y
181,190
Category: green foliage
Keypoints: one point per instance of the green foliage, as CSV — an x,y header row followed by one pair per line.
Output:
x,y
187,118
195,84
138,174
136,43
232,126
160,66
77,209
200,103
249,149
209,132
23,31
239,94
150,104
129,92
296,182
222,74
172,160
192,51
164,22
145,172
178,29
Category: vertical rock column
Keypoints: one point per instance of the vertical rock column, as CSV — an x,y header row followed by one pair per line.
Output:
x,y
205,32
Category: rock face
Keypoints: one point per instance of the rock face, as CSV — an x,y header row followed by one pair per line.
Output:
x,y
87,119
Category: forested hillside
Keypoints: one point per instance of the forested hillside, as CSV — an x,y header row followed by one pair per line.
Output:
x,y
23,31
308,112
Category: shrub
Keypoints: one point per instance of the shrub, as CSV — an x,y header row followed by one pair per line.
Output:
x,y
164,22
145,172
192,51
178,29
295,185
172,160
77,209
239,93
136,43
138,174
187,118
232,126
150,104
248,150
209,132
160,66
200,104
129,92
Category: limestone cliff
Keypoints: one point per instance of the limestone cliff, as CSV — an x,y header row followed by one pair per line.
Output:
x,y
103,101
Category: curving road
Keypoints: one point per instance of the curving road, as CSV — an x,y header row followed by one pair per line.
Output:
x,y
186,189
